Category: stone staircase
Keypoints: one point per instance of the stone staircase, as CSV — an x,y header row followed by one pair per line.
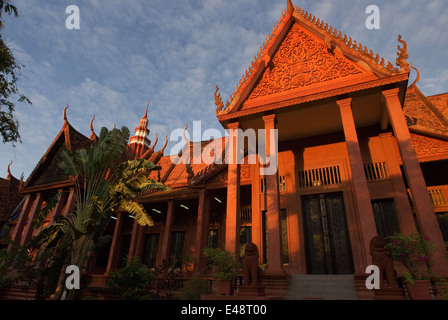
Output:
x,y
16,293
321,287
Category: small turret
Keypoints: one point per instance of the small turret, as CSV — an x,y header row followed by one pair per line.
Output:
x,y
139,143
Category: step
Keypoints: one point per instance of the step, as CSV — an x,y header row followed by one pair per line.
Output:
x,y
321,287
16,293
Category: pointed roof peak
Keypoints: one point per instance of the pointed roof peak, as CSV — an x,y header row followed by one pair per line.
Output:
x,y
146,112
64,113
332,38
417,78
92,131
9,171
289,7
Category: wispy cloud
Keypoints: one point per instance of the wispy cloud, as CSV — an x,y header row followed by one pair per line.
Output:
x,y
173,54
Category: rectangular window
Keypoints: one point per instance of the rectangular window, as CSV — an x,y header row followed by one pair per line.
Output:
x,y
124,249
245,235
319,177
281,183
213,238
177,249
375,171
246,214
150,250
386,219
284,235
263,185
443,224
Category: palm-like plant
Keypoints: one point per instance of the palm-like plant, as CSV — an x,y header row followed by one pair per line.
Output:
x,y
104,182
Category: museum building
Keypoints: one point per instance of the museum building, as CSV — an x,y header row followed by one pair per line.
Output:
x,y
360,153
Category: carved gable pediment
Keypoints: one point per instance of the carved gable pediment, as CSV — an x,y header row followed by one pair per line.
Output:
x,y
301,61
304,59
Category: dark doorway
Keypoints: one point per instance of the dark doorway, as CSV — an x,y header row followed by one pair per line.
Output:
x,y
327,240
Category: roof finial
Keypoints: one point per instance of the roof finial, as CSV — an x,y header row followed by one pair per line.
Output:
x,y
146,112
92,132
290,7
9,171
185,138
64,114
418,76
402,55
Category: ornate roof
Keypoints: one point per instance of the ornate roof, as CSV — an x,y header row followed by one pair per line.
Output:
x,y
303,56
426,115
47,171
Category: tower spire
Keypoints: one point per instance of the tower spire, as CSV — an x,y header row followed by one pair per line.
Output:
x,y
146,112
139,143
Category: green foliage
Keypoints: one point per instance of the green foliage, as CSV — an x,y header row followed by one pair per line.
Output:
x,y
9,75
103,184
194,288
227,266
14,265
131,282
41,268
412,251
187,261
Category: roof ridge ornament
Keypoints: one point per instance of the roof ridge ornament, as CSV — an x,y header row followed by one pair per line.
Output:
x,y
289,7
64,113
402,55
92,131
414,84
9,171
218,101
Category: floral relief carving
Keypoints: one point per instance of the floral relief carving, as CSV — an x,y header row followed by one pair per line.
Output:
x,y
425,146
300,61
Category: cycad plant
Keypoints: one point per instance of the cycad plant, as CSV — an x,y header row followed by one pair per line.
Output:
x,y
105,181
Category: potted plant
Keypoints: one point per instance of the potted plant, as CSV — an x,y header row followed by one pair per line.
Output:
x,y
226,269
187,261
414,252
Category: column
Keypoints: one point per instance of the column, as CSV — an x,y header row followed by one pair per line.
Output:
x,y
17,233
135,235
28,232
167,231
57,210
233,192
71,202
360,188
426,217
275,265
115,245
202,224
257,230
402,204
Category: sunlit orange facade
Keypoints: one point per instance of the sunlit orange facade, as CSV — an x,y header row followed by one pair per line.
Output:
x,y
361,153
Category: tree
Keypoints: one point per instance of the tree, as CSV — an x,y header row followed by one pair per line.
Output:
x,y
104,183
9,75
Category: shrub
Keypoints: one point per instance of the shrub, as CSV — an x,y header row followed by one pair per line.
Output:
x,y
194,288
412,251
132,280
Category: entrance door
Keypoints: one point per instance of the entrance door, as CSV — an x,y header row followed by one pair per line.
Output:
x,y
327,241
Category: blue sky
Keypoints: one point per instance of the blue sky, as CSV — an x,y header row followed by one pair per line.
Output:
x,y
174,53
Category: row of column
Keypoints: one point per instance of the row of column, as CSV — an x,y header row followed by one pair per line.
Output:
x,y
275,265
427,221
23,230
137,238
